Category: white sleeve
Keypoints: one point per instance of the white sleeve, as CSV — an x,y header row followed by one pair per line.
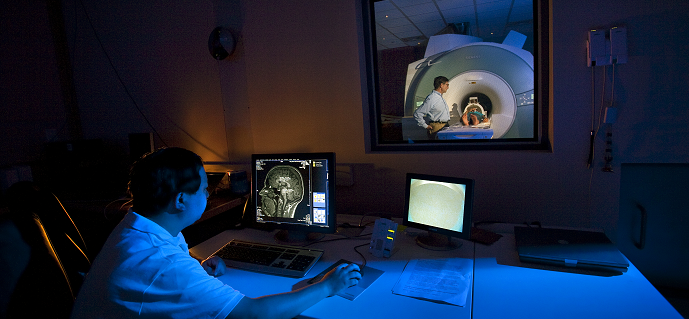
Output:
x,y
186,290
421,111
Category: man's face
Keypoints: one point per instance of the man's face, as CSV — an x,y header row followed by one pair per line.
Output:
x,y
444,87
196,203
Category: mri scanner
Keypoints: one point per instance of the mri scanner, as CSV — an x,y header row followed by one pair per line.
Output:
x,y
500,74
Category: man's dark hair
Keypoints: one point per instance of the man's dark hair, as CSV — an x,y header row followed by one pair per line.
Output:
x,y
438,81
156,178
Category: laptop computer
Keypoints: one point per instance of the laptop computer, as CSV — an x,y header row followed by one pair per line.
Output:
x,y
569,248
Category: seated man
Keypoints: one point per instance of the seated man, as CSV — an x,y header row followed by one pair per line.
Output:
x,y
145,270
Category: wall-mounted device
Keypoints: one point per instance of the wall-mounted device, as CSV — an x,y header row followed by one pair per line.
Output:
x,y
605,47
618,45
383,238
596,49
221,43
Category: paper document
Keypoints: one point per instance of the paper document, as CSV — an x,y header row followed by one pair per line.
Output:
x,y
446,280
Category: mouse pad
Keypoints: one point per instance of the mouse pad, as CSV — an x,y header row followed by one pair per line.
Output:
x,y
368,276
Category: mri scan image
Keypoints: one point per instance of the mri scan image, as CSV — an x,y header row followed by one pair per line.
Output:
x,y
282,192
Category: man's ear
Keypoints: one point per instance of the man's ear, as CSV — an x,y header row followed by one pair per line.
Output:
x,y
180,201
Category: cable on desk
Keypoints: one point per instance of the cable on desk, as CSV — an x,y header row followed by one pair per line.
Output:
x,y
360,254
335,239
491,222
488,222
532,224
373,222
343,238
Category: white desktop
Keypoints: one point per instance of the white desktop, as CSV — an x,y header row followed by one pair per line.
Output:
x,y
502,287
377,301
499,285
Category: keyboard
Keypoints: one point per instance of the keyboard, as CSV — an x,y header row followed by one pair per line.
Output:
x,y
281,260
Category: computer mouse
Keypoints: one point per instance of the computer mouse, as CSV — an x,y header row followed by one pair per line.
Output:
x,y
340,262
361,270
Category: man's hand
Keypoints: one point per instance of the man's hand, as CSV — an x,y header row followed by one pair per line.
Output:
x,y
214,266
341,277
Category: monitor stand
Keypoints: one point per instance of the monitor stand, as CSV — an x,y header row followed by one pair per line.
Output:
x,y
296,237
435,241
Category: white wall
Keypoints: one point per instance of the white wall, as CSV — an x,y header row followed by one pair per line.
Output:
x,y
294,85
31,108
653,81
148,61
304,95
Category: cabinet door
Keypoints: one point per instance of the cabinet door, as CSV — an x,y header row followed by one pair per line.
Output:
x,y
653,228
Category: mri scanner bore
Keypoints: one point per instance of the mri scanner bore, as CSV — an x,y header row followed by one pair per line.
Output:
x,y
498,75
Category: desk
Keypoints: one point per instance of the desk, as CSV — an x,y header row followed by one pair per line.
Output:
x,y
502,287
524,290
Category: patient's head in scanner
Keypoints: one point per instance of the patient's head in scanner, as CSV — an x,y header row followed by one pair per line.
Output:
x,y
282,192
475,114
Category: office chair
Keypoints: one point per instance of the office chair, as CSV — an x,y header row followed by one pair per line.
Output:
x,y
44,255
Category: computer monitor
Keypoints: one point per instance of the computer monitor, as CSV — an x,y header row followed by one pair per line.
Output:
x,y
441,206
294,193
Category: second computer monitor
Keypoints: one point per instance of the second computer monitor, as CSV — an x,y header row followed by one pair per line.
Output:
x,y
295,193
441,205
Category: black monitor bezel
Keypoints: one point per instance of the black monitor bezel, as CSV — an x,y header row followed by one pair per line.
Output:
x,y
468,205
331,204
